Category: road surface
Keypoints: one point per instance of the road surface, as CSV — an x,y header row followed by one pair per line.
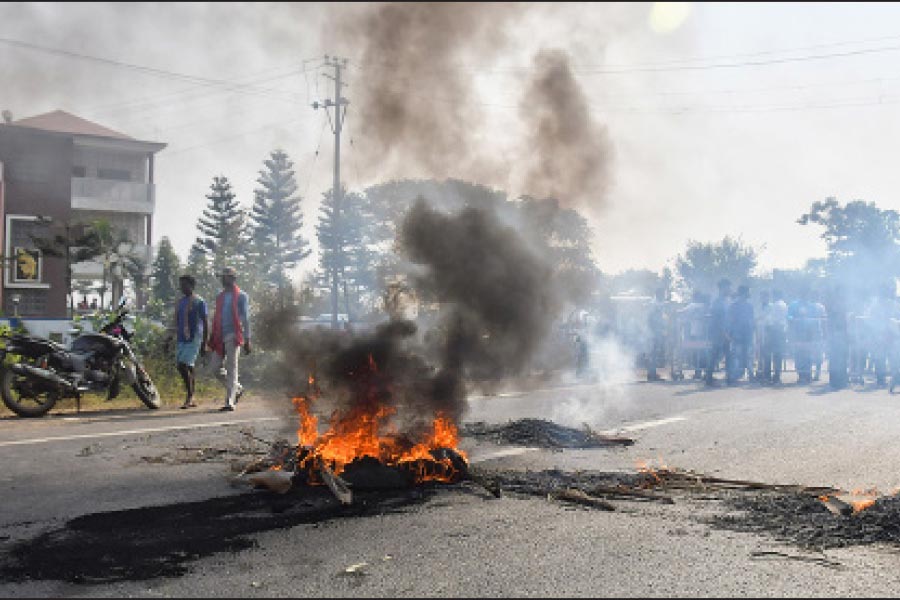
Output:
x,y
460,542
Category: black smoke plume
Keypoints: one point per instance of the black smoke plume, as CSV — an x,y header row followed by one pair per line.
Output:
x,y
496,305
416,109
571,153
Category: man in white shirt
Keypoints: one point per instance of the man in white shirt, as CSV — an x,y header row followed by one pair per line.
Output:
x,y
775,328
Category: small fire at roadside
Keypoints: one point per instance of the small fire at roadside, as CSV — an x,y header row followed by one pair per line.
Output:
x,y
365,433
856,501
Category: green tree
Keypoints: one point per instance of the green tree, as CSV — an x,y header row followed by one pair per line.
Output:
x,y
703,264
344,260
563,237
74,242
199,266
863,242
222,233
119,259
165,273
276,223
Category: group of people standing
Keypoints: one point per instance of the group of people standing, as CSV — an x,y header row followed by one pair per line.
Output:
x,y
755,341
228,335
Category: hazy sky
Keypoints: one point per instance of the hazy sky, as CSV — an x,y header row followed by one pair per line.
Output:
x,y
725,119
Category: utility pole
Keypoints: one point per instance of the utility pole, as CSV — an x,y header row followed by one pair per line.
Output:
x,y
337,124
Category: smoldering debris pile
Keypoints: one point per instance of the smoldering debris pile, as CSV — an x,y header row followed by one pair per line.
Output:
x,y
541,433
804,520
589,488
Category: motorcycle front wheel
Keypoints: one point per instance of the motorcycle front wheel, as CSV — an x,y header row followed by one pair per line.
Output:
x,y
21,396
145,388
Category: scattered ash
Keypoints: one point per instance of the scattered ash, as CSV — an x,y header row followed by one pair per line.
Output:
x,y
542,434
803,520
161,541
542,483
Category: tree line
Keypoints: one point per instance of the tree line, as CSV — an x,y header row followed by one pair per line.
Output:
x,y
862,256
356,245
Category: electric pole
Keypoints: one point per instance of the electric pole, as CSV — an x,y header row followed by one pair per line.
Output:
x,y
340,107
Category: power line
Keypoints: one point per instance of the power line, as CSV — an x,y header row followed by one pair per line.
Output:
x,y
596,108
749,63
315,159
675,65
231,137
140,68
185,95
757,53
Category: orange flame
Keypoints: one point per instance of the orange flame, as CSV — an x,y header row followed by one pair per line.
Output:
x,y
366,430
647,469
860,505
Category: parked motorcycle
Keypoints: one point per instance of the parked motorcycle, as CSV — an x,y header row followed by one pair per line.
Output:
x,y
43,371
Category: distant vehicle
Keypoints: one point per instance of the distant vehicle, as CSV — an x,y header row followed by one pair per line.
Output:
x,y
341,317
630,315
322,320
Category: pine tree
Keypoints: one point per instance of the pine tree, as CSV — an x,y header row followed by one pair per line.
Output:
x,y
222,234
165,273
343,252
199,266
276,222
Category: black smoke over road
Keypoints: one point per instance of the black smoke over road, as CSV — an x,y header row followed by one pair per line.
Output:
x,y
496,304
570,152
416,109
419,111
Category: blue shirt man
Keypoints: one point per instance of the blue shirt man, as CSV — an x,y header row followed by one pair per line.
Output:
x,y
740,326
193,329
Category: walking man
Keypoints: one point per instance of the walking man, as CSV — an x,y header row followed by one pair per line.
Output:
x,y
776,336
656,323
801,319
193,332
718,335
230,333
740,326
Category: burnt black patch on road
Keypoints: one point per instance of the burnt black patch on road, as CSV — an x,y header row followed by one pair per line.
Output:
x,y
541,483
541,433
803,520
161,541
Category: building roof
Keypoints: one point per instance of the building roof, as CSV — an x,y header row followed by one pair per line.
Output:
x,y
63,122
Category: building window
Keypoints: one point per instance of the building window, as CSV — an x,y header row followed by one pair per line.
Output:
x,y
27,268
31,303
117,174
79,171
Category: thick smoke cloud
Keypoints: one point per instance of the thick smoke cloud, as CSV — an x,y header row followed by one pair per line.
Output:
x,y
419,113
415,106
497,305
497,292
570,153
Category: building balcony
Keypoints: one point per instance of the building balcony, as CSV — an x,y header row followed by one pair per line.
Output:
x,y
89,193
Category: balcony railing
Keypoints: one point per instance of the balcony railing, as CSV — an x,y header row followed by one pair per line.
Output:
x,y
89,193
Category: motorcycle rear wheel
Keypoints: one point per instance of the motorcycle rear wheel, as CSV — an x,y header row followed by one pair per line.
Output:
x,y
29,404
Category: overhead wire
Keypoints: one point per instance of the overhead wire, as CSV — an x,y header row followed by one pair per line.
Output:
x,y
153,71
674,65
231,137
315,159
673,110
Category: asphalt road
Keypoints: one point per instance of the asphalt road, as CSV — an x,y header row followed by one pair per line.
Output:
x,y
464,543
